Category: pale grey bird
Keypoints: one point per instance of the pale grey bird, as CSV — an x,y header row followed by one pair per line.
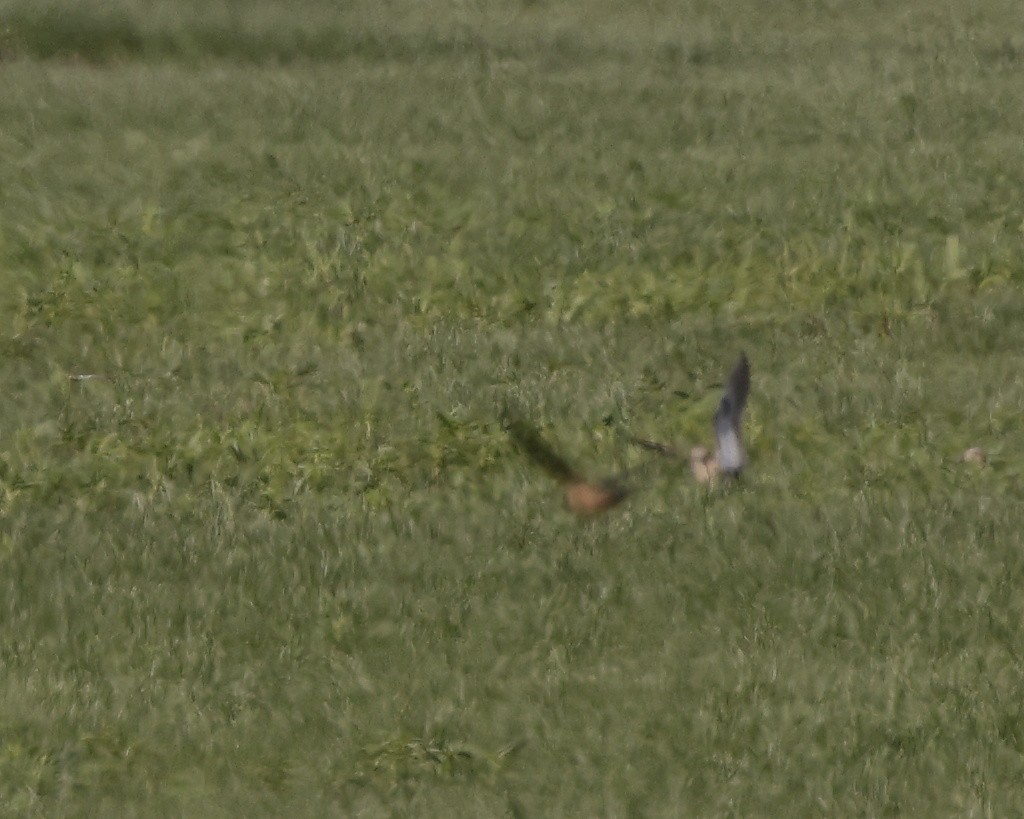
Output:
x,y
729,457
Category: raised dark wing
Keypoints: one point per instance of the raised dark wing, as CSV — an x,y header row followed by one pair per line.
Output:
x,y
738,386
528,440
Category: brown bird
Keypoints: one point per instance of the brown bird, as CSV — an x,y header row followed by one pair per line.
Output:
x,y
729,457
583,497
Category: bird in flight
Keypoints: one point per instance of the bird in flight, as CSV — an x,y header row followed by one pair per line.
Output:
x,y
729,457
583,497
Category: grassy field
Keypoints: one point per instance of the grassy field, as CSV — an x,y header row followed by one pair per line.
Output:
x,y
279,558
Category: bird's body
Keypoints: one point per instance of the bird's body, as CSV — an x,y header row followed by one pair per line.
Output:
x,y
584,498
704,465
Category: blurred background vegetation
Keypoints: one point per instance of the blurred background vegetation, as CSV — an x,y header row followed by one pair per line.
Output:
x,y
270,272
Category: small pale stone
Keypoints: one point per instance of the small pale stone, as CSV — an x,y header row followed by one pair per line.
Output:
x,y
974,455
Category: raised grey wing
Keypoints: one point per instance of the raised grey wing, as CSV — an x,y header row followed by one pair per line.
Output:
x,y
730,448
729,416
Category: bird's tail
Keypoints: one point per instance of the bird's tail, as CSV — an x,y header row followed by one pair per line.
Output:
x,y
654,446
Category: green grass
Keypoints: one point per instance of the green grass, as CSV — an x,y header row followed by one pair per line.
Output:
x,y
279,557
